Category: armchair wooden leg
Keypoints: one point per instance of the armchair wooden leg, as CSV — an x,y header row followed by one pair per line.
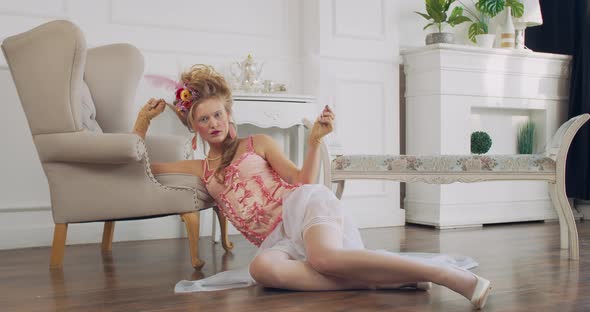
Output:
x,y
227,245
59,244
192,223
107,236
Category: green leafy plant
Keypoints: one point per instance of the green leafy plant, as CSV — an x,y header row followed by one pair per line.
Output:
x,y
493,7
525,139
485,10
480,142
436,14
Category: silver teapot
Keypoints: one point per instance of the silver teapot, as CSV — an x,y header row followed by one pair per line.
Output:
x,y
247,74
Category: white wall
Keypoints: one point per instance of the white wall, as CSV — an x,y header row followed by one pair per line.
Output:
x,y
342,51
351,63
172,35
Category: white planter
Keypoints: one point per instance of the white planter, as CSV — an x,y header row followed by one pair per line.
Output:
x,y
440,37
485,41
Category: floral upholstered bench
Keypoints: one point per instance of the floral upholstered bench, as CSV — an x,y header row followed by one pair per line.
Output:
x,y
442,169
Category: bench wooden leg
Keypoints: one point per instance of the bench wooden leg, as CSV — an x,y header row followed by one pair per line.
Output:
x,y
340,188
563,231
227,245
192,223
559,199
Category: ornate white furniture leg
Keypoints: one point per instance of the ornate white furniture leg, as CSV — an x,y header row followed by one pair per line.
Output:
x,y
558,149
300,145
214,228
563,227
444,169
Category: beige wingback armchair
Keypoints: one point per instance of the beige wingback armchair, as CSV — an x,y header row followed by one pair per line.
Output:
x,y
79,107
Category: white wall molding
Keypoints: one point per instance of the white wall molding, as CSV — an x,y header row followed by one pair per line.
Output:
x,y
345,83
24,208
338,32
393,61
505,71
540,98
16,9
341,33
119,18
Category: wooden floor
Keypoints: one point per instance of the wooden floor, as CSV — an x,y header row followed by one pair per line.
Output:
x,y
528,270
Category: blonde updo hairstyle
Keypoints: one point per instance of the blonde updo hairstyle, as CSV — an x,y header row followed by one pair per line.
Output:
x,y
209,84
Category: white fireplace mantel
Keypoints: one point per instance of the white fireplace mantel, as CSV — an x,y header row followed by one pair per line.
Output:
x,y
453,90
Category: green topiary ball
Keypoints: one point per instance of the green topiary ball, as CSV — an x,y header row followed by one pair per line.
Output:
x,y
480,142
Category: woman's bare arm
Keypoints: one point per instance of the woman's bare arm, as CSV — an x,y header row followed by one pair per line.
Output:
x,y
148,112
193,167
269,149
286,169
311,164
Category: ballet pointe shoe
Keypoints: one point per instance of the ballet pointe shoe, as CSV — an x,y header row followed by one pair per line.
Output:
x,y
424,285
480,293
417,286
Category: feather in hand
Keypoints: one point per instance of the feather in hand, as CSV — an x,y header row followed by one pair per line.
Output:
x,y
161,81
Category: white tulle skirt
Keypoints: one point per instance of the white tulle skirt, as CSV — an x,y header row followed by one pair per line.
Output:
x,y
304,207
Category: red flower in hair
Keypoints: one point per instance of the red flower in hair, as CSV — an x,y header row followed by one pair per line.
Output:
x,y
186,95
178,91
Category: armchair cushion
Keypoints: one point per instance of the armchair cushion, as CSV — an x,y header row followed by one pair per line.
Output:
x,y
88,110
89,147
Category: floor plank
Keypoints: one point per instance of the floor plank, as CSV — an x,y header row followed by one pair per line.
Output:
x,y
529,271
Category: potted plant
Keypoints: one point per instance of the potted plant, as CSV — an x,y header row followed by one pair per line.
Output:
x,y
526,138
480,142
436,14
481,14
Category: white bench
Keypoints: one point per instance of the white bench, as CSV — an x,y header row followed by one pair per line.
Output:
x,y
442,169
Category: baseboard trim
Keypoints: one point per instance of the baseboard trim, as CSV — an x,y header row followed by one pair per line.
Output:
x,y
25,209
33,227
445,216
583,207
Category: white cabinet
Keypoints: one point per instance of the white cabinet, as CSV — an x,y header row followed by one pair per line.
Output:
x,y
453,90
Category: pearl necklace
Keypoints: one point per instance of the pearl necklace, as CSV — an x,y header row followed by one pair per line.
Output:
x,y
212,159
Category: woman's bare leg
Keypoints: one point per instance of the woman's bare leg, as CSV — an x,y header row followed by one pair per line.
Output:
x,y
276,269
326,255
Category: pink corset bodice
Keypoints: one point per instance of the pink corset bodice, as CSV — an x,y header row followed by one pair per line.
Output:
x,y
251,195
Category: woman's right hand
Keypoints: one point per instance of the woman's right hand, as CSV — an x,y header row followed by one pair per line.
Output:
x,y
148,112
152,108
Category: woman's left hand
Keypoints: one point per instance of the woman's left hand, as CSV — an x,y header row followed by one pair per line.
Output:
x,y
323,125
